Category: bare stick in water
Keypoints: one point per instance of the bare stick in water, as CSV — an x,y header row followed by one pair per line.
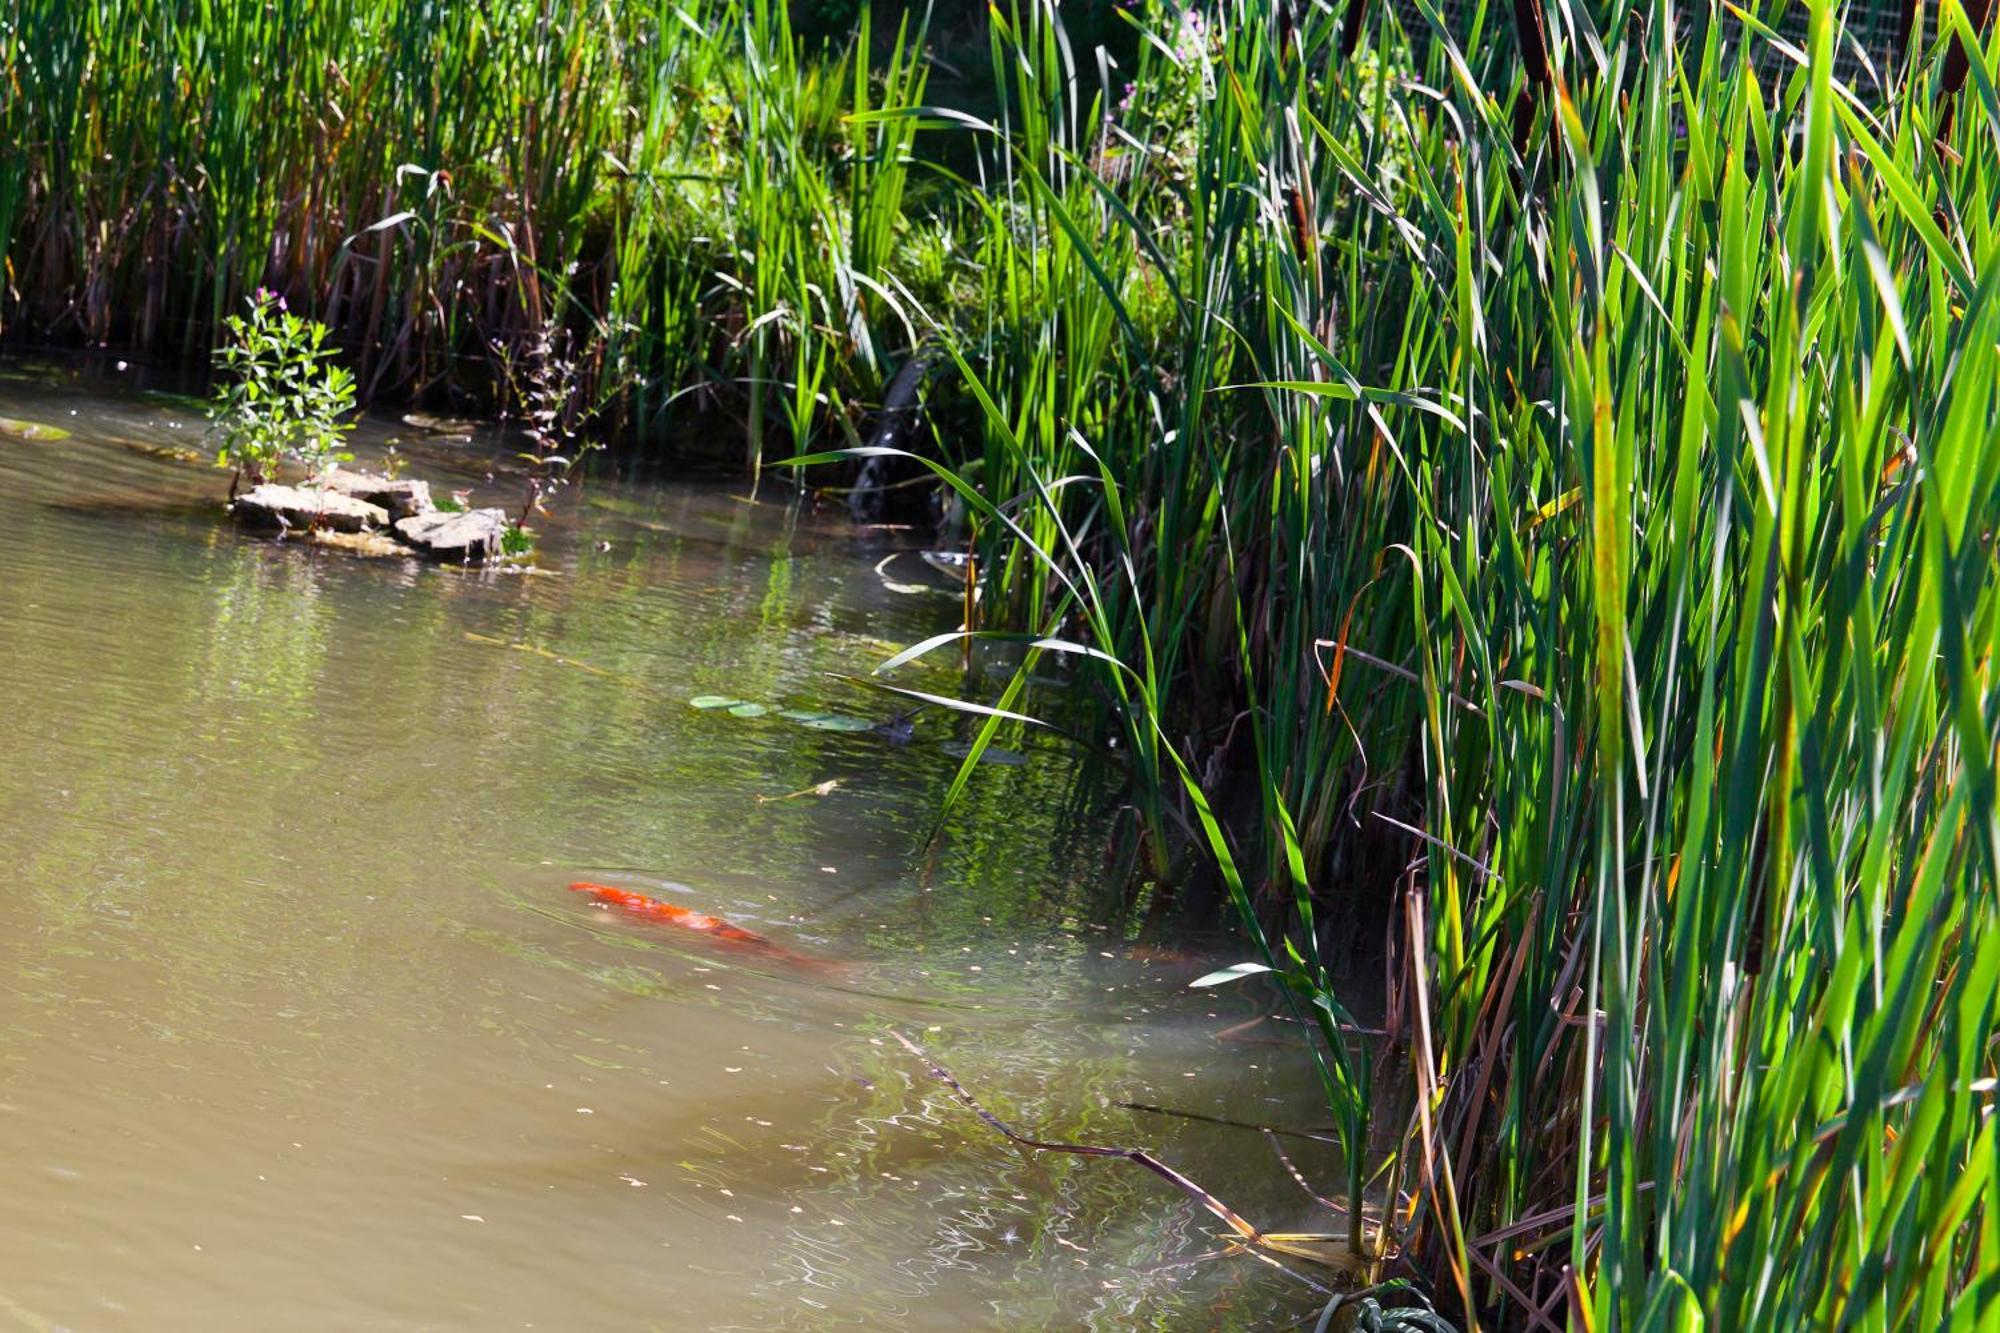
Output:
x,y
1180,1182
1230,1217
1229,1124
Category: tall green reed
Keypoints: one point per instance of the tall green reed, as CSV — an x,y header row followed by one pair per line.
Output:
x,y
675,183
1598,504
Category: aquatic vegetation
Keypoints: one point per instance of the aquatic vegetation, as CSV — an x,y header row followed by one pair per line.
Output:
x,y
517,542
34,432
813,719
181,402
1560,541
991,754
282,394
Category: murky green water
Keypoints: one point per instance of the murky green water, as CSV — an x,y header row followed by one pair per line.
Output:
x,y
300,1029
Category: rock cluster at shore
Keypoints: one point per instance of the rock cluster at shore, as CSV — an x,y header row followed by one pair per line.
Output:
x,y
353,503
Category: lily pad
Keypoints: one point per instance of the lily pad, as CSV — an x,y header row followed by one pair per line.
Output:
x,y
706,702
747,710
992,754
186,402
826,721
32,431
437,425
166,453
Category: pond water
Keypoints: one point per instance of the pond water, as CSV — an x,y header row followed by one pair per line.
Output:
x,y
300,1028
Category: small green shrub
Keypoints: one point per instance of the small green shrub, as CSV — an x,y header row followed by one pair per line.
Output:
x,y
281,393
516,542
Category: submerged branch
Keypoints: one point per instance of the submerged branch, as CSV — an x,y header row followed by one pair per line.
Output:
x,y
1228,1123
1230,1217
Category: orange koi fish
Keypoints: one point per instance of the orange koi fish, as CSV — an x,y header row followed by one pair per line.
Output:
x,y
686,918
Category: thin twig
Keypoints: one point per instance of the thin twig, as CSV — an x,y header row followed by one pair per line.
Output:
x,y
1271,1137
818,789
1232,1124
1230,1217
1233,1031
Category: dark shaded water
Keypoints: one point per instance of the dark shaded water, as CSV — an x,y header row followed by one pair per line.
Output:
x,y
299,1028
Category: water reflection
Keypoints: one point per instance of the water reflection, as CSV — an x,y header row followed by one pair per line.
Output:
x,y
299,1026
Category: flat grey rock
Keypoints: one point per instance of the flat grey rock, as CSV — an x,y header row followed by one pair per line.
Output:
x,y
472,536
300,507
401,496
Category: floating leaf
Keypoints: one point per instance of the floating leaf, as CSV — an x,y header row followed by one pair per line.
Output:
x,y
708,701
440,425
1234,972
747,710
992,754
33,431
186,402
168,453
819,721
835,722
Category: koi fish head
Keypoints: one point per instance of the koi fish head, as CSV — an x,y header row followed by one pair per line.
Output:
x,y
684,918
625,898
606,893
